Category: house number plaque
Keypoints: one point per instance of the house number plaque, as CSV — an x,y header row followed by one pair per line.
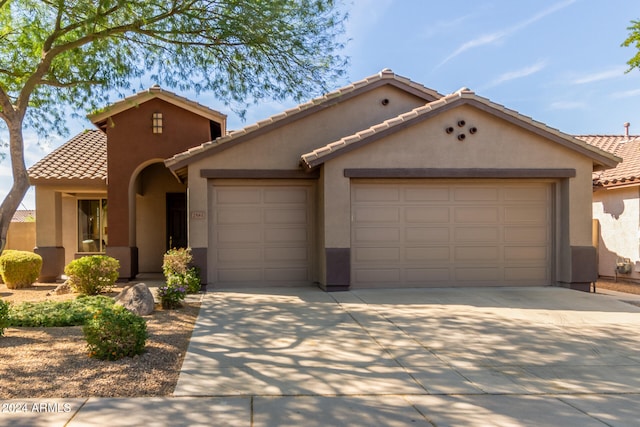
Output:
x,y
197,215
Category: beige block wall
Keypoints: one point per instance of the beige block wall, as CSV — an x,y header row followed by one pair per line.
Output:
x,y
21,236
618,212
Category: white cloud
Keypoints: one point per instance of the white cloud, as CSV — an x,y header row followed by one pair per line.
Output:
x,y
626,94
611,73
443,26
498,36
517,74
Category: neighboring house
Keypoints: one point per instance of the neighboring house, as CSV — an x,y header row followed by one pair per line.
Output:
x,y
381,183
616,206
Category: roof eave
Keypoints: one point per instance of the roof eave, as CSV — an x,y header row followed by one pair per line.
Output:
x,y
100,183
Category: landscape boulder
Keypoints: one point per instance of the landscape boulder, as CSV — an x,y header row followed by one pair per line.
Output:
x,y
137,298
61,289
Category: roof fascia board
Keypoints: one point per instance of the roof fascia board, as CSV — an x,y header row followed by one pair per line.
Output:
x,y
460,173
258,174
76,182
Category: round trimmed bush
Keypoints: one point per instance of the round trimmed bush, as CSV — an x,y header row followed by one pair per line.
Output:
x,y
20,269
114,333
90,275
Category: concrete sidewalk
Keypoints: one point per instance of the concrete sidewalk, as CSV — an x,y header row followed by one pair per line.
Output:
x,y
291,357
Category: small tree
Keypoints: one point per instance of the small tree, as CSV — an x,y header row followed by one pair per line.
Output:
x,y
73,52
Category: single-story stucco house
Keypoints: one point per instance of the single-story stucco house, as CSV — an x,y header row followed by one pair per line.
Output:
x,y
616,206
382,183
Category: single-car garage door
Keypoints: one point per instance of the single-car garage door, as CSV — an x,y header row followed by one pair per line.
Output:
x,y
451,233
260,234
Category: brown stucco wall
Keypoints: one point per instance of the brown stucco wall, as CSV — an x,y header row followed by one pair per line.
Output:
x,y
132,144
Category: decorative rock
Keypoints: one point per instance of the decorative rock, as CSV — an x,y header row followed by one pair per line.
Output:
x,y
61,289
137,298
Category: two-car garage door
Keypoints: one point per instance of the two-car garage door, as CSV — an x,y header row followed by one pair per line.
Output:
x,y
451,233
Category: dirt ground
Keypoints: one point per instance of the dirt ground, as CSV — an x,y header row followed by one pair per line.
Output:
x,y
53,362
619,285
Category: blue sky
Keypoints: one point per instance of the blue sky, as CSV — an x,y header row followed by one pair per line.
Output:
x,y
557,61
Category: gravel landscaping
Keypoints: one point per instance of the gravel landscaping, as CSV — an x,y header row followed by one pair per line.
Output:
x,y
53,362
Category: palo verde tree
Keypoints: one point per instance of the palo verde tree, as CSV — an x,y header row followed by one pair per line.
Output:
x,y
56,53
633,39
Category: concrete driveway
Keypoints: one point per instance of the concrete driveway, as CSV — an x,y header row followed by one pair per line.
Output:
x,y
497,356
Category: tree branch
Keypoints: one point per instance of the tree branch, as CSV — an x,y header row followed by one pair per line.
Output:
x,y
6,107
59,84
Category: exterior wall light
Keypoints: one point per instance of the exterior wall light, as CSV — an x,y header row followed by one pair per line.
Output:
x,y
156,123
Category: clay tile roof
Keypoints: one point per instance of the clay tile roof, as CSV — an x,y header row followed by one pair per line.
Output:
x,y
24,215
82,157
628,148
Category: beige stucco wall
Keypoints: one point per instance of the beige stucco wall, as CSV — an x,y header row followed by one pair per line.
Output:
x,y
57,216
282,147
151,227
49,226
497,144
618,212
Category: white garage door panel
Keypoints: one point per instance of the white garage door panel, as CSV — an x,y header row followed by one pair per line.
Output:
x,y
261,234
451,233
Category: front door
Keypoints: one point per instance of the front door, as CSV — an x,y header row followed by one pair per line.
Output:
x,y
176,220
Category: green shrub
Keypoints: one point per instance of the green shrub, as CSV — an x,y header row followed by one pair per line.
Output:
x,y
20,269
115,333
4,316
93,274
190,280
178,272
58,313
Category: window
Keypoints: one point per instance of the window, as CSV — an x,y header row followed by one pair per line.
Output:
x,y
92,225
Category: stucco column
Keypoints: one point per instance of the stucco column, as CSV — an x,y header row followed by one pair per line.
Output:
x,y
198,222
337,230
49,233
120,194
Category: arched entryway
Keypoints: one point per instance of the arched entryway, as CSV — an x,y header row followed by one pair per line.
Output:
x,y
160,215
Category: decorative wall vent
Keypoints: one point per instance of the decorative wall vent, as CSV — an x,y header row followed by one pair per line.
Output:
x,y
463,129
